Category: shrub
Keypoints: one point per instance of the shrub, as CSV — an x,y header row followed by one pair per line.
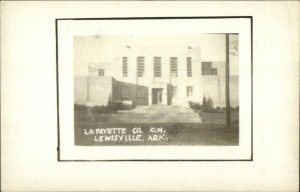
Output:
x,y
112,107
116,106
204,102
109,102
101,109
207,104
79,107
195,105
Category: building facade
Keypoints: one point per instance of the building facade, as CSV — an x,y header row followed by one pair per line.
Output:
x,y
151,76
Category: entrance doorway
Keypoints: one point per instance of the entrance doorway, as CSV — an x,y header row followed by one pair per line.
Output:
x,y
156,96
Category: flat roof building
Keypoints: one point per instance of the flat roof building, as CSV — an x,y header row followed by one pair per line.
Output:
x,y
153,75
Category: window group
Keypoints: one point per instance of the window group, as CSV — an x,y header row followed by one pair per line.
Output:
x,y
157,68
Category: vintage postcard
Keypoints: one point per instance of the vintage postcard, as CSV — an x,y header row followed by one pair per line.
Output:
x,y
179,86
150,96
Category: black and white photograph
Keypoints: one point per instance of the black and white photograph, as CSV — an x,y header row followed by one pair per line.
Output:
x,y
156,89
132,82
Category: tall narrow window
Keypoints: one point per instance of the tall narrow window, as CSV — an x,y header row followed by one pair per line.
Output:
x,y
157,66
189,66
140,66
100,72
189,91
173,66
125,66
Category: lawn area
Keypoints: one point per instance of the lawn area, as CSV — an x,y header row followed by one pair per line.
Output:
x,y
212,131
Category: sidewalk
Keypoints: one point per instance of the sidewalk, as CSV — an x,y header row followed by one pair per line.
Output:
x,y
156,113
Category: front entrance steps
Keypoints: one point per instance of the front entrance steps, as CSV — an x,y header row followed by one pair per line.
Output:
x,y
156,113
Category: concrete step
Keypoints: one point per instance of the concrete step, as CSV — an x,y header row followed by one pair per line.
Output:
x,y
154,117
158,109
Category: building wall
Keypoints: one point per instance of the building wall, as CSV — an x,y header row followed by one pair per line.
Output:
x,y
102,88
93,90
149,53
133,93
214,87
92,49
166,81
80,89
98,89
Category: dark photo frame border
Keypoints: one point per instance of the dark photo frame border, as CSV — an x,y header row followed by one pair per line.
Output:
x,y
150,18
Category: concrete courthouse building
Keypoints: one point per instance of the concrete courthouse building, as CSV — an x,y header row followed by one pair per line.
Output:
x,y
149,75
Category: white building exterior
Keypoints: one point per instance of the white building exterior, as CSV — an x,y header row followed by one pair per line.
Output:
x,y
172,75
148,75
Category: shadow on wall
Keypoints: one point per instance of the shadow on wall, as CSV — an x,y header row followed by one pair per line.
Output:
x,y
123,91
138,94
98,90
